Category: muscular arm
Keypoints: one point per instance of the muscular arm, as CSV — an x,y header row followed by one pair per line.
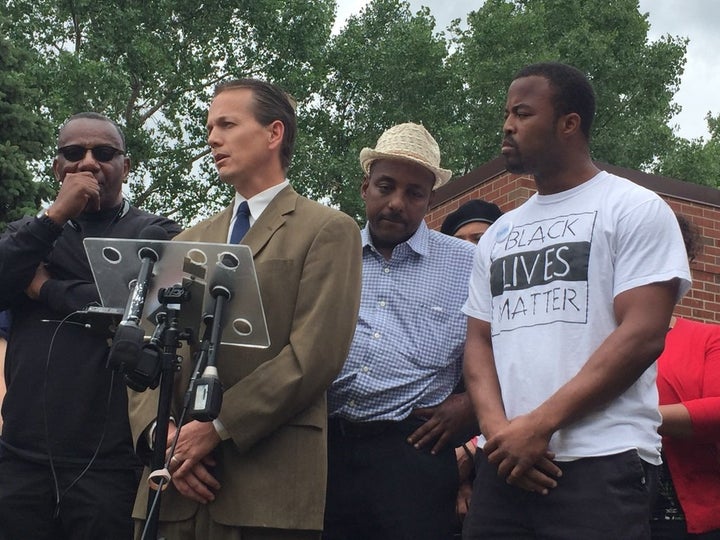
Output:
x,y
482,383
481,378
642,315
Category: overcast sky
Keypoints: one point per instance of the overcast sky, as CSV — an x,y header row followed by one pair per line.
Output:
x,y
696,20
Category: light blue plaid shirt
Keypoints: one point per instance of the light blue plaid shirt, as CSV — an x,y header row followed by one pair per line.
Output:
x,y
408,344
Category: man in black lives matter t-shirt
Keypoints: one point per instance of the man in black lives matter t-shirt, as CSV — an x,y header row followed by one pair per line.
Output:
x,y
569,303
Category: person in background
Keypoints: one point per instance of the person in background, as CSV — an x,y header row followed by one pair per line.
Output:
x,y
469,222
570,297
689,387
394,421
67,466
258,472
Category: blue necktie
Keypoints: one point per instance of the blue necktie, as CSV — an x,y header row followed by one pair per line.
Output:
x,y
242,223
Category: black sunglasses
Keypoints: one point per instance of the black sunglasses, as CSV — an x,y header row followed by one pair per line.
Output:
x,y
101,153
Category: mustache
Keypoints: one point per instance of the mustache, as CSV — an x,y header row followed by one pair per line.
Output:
x,y
509,141
394,217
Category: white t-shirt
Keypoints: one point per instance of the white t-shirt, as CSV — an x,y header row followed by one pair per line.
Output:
x,y
545,276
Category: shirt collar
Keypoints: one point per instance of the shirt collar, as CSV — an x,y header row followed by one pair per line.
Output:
x,y
258,203
418,242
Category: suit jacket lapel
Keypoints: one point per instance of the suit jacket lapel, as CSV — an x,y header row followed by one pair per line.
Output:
x,y
215,229
271,220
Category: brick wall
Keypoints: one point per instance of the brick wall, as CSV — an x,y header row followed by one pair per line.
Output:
x,y
703,301
509,191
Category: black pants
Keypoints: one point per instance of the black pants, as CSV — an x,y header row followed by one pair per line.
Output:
x,y
382,488
99,506
599,498
677,530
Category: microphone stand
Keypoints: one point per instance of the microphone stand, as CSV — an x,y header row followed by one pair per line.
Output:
x,y
167,335
203,409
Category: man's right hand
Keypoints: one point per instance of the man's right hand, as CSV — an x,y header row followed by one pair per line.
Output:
x,y
519,450
190,465
78,191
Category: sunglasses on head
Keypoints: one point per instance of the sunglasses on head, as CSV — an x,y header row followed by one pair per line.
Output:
x,y
102,153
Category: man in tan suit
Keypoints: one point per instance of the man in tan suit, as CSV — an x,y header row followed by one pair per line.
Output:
x,y
259,471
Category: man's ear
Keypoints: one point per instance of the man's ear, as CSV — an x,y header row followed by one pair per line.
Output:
x,y
569,123
56,170
276,130
364,186
126,168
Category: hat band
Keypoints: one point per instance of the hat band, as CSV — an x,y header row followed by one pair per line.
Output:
x,y
405,153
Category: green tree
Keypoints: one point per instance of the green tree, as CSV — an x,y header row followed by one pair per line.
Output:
x,y
24,136
388,65
152,65
697,160
607,39
385,67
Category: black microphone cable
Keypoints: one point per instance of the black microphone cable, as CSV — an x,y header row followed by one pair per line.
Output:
x,y
56,483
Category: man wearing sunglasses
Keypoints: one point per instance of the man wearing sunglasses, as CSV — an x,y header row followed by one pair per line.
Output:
x,y
67,467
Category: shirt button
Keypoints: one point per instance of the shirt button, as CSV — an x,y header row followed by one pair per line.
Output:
x,y
365,369
386,270
381,303
352,403
376,335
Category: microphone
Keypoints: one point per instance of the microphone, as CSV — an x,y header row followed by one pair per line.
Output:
x,y
207,394
129,336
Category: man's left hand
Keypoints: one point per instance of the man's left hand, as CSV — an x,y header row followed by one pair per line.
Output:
x,y
39,279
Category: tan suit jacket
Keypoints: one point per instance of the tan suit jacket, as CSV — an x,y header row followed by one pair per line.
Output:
x,y
273,470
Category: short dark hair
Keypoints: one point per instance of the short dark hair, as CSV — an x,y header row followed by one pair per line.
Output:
x,y
271,103
95,116
573,91
691,236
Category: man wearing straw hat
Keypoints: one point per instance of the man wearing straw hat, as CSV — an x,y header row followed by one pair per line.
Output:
x,y
394,420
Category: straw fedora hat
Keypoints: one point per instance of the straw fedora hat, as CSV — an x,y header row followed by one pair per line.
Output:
x,y
409,142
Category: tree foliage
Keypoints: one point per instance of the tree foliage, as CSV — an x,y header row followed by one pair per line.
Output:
x,y
389,65
23,136
152,66
697,160
386,66
634,80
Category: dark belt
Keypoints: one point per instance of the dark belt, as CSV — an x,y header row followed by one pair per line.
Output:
x,y
357,430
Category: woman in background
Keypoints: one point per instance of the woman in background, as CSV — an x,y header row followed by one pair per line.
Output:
x,y
689,389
